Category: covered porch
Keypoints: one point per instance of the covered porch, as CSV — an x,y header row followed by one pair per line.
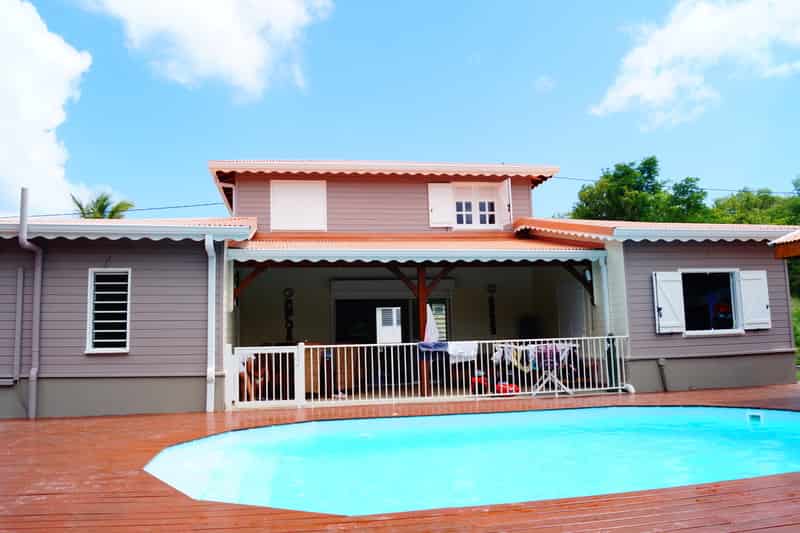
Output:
x,y
344,319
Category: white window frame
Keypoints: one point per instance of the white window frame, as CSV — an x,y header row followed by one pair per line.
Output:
x,y
90,349
479,192
736,301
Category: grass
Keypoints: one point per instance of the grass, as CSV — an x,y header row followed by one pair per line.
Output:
x,y
796,327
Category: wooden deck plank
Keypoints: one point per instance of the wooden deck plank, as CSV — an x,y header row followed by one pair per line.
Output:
x,y
86,474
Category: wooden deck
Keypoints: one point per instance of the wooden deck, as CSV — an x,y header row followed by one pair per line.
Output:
x,y
86,473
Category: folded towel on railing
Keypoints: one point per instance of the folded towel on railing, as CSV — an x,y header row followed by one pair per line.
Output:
x,y
462,351
433,346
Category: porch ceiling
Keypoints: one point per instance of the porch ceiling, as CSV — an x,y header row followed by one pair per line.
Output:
x,y
400,247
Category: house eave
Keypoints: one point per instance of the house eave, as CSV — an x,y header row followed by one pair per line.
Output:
x,y
636,235
414,256
129,231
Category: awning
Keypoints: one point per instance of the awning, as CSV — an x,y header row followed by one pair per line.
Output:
x,y
219,229
622,230
390,248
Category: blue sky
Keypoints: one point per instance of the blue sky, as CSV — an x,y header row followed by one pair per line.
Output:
x,y
513,81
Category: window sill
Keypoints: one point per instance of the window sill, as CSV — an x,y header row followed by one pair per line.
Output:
x,y
715,333
114,351
476,227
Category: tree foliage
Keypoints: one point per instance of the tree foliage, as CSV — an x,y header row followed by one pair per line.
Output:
x,y
634,191
102,207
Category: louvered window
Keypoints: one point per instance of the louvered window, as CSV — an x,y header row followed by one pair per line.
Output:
x,y
108,320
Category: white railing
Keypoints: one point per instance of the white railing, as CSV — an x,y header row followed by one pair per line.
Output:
x,y
371,373
266,375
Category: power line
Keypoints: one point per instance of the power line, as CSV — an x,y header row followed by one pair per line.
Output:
x,y
707,189
136,209
214,204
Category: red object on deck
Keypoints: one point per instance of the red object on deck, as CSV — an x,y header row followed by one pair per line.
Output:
x,y
506,388
479,384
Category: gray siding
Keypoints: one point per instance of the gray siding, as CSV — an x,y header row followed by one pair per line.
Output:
x,y
11,258
642,259
168,308
366,204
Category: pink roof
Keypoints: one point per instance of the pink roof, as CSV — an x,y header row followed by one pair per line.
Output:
x,y
383,168
497,240
794,236
632,230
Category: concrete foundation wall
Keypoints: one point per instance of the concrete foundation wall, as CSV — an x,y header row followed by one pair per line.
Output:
x,y
110,396
693,373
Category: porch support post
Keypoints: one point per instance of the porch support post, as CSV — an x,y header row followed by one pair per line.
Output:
x,y
603,268
422,315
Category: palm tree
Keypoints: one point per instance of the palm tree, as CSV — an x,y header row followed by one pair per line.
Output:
x,y
101,207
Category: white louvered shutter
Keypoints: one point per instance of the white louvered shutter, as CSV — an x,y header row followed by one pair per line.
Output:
x,y
504,207
441,205
668,296
755,299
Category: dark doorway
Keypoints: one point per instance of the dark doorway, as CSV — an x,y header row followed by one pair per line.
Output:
x,y
355,320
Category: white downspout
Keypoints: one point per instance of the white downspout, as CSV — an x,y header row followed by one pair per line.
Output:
x,y
212,323
37,301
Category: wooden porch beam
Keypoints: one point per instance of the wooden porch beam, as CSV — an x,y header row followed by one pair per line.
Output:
x,y
442,273
248,279
422,316
577,275
394,269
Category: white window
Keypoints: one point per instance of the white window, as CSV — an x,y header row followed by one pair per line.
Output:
x,y
298,205
476,205
709,302
469,205
108,310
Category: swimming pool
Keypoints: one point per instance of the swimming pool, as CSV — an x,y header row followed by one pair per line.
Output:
x,y
367,466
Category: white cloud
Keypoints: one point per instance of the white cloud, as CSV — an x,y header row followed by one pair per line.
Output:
x,y
243,43
665,73
544,84
41,74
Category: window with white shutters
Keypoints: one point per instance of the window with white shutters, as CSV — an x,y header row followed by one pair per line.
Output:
x,y
298,205
709,302
108,315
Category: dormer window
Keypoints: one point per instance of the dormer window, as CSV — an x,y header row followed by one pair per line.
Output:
x,y
476,205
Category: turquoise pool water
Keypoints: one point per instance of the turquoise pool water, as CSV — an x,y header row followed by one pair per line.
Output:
x,y
356,467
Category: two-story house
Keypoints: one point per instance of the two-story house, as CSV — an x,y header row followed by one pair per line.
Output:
x,y
357,281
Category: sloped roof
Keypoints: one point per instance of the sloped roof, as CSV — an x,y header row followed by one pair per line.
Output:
x,y
383,168
400,247
620,230
131,228
791,237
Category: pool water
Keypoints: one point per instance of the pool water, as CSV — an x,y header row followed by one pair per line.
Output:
x,y
357,467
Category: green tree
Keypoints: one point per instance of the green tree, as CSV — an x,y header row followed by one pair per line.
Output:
x,y
753,207
101,207
634,191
